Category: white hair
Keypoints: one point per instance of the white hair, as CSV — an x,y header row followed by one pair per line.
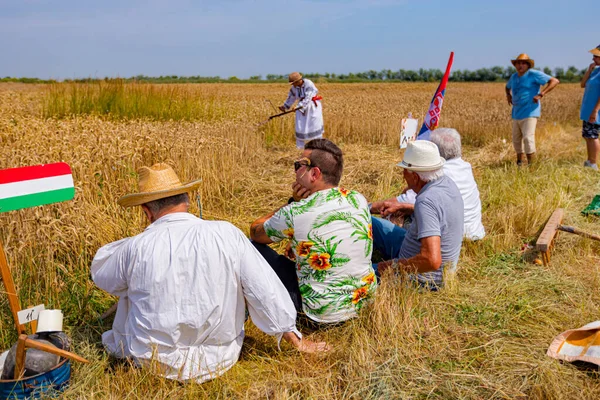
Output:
x,y
428,176
448,142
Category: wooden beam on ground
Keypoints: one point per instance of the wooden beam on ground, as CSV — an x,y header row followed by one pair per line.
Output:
x,y
544,241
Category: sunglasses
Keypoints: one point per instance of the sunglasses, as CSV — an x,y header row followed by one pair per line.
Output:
x,y
301,163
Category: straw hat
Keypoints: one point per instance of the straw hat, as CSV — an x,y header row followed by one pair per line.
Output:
x,y
596,51
294,77
523,57
422,156
156,182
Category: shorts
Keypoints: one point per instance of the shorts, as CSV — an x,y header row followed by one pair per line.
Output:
x,y
590,131
523,135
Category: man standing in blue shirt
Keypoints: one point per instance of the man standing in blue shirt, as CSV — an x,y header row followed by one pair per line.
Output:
x,y
590,106
523,94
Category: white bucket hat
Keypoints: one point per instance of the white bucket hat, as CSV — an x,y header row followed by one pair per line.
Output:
x,y
50,321
422,156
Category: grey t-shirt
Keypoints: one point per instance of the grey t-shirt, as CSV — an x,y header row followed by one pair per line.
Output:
x,y
439,211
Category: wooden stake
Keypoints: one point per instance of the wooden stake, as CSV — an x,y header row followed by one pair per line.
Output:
x,y
20,357
11,291
34,344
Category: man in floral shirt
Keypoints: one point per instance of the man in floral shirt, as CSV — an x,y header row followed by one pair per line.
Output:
x,y
330,236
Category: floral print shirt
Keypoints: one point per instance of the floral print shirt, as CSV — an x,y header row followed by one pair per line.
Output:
x,y
331,236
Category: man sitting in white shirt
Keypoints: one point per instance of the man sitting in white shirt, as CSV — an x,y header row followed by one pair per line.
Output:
x,y
183,285
460,171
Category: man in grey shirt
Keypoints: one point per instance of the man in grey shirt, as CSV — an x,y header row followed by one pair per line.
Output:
x,y
434,239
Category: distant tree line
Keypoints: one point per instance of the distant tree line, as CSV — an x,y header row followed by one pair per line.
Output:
x,y
493,74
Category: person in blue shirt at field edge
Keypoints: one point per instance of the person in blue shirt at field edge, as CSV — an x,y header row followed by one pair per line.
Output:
x,y
590,110
524,95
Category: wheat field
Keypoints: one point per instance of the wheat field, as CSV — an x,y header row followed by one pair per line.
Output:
x,y
482,337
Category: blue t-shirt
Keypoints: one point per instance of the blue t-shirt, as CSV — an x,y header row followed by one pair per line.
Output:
x,y
524,89
590,96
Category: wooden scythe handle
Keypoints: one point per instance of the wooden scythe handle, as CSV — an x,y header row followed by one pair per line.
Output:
x,y
577,231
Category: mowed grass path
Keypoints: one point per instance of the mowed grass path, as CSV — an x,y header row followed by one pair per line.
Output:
x,y
484,336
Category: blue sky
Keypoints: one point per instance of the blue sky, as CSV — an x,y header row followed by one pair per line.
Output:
x,y
75,39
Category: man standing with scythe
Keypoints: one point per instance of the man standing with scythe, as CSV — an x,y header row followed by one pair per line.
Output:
x,y
309,113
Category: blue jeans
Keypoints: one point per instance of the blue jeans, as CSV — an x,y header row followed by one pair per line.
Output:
x,y
387,237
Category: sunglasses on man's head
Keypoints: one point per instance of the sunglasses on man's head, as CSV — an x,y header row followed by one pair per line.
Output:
x,y
301,163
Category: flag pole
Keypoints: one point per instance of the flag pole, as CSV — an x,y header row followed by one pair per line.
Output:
x,y
432,117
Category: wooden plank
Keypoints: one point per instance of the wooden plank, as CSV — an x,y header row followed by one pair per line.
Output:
x,y
11,291
545,239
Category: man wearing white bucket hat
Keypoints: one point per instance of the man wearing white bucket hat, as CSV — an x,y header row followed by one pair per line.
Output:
x,y
309,116
183,286
433,241
460,171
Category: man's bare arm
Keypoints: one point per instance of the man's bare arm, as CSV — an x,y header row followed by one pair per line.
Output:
x,y
429,258
257,229
551,85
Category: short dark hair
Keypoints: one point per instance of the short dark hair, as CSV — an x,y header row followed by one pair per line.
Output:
x,y
328,157
157,205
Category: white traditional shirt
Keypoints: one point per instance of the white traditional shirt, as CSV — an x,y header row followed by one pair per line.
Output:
x,y
309,120
183,285
461,173
332,239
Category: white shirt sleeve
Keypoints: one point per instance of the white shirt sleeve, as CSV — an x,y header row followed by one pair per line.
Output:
x,y
407,197
269,303
108,268
290,99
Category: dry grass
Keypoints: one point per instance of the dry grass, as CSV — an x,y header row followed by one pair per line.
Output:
x,y
484,337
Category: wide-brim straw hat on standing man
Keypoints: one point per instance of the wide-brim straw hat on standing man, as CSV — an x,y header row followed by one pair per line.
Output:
x,y
294,77
596,51
523,57
157,182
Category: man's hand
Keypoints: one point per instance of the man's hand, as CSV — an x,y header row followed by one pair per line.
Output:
x,y
592,66
509,99
592,118
392,206
537,98
299,192
304,345
282,108
383,266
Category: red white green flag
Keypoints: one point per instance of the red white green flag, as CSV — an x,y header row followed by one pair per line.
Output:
x,y
35,186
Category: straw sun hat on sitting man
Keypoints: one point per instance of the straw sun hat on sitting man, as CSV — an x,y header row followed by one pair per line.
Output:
x,y
433,241
183,285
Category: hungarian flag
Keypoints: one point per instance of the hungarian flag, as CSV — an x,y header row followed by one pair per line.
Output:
x,y
432,118
35,186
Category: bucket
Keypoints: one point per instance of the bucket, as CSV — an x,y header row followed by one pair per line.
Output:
x,y
46,384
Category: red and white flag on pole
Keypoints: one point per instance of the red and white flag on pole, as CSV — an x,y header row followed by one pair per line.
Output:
x,y
432,118
35,186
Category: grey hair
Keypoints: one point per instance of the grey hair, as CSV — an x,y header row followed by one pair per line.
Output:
x,y
157,206
428,176
448,142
